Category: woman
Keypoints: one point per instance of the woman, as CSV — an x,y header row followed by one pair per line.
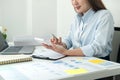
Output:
x,y
91,32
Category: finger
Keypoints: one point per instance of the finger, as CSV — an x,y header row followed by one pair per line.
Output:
x,y
54,40
51,40
60,40
46,46
54,46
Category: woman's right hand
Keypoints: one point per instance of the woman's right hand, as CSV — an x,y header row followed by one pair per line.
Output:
x,y
57,41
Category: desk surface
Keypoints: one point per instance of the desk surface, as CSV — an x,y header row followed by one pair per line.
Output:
x,y
68,68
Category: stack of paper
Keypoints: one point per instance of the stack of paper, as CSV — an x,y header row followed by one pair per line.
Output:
x,y
27,40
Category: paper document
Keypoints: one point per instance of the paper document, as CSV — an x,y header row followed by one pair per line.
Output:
x,y
44,53
27,40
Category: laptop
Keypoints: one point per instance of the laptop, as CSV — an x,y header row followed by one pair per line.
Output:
x,y
5,49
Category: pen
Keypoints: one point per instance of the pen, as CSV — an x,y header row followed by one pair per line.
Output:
x,y
54,36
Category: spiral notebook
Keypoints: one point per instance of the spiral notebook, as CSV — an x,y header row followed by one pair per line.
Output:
x,y
8,59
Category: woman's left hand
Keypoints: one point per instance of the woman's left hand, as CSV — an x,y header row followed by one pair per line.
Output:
x,y
57,48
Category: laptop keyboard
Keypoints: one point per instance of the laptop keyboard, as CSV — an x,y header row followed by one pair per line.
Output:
x,y
14,49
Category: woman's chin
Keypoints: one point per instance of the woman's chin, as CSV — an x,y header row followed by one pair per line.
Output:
x,y
79,12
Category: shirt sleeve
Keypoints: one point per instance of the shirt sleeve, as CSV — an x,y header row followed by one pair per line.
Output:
x,y
67,40
103,37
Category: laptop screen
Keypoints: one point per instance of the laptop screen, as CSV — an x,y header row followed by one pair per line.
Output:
x,y
3,43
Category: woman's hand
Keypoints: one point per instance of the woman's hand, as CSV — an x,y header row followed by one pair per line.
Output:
x,y
64,51
47,46
58,41
57,48
56,45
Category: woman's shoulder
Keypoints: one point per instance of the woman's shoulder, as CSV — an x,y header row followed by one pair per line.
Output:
x,y
103,12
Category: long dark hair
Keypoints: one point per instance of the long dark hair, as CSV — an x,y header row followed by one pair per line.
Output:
x,y
97,5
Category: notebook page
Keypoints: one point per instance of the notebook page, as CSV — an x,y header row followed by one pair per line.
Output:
x,y
43,52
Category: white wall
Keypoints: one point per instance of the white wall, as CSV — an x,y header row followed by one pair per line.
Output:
x,y
44,17
36,17
114,7
66,13
1,12
13,16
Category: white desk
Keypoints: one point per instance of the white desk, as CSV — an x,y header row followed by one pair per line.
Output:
x,y
69,68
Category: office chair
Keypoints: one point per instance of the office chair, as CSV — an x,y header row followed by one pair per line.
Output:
x,y
118,57
117,77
